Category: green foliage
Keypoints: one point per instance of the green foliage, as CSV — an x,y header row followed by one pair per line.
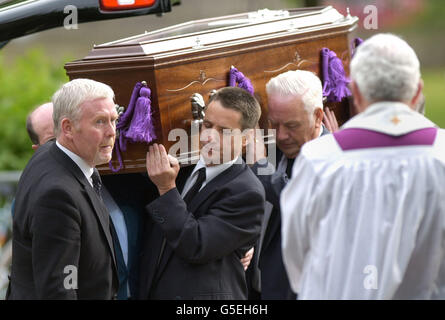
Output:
x,y
9,3
429,21
434,91
25,83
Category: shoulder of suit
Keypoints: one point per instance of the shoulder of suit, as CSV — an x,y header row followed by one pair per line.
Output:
x,y
45,169
41,153
246,180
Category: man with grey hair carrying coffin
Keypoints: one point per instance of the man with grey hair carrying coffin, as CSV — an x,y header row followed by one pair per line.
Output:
x,y
295,112
365,219
62,243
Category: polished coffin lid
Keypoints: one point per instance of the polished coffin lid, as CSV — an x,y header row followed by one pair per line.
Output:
x,y
206,34
157,56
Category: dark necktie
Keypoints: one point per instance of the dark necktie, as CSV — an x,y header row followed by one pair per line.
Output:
x,y
97,183
290,164
195,188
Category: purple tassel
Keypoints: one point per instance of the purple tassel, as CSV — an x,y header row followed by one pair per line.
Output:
x,y
125,118
335,81
128,114
135,124
238,77
119,158
141,127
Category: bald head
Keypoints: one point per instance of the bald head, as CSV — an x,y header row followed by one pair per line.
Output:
x,y
40,125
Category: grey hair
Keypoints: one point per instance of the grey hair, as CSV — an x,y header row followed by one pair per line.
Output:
x,y
68,99
386,68
299,83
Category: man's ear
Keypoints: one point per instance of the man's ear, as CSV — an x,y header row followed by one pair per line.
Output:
x,y
318,115
35,147
247,137
358,98
417,96
66,128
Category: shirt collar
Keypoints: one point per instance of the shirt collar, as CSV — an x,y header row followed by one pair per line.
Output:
x,y
83,166
213,171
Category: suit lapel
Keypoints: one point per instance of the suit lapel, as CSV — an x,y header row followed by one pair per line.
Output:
x,y
103,217
203,194
183,176
162,251
216,183
99,208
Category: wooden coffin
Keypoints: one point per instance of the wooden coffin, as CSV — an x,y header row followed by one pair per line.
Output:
x,y
195,58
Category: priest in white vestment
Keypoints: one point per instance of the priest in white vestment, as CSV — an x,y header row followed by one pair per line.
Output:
x,y
363,216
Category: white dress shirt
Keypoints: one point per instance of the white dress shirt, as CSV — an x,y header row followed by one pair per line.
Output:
x,y
83,166
211,173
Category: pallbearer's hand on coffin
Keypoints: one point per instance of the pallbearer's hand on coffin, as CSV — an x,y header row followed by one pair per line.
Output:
x,y
162,168
173,161
330,121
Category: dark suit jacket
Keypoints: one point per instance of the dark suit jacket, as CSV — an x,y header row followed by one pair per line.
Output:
x,y
60,224
204,245
273,276
131,192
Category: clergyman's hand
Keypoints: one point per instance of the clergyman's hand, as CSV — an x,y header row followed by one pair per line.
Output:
x,y
330,121
162,168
